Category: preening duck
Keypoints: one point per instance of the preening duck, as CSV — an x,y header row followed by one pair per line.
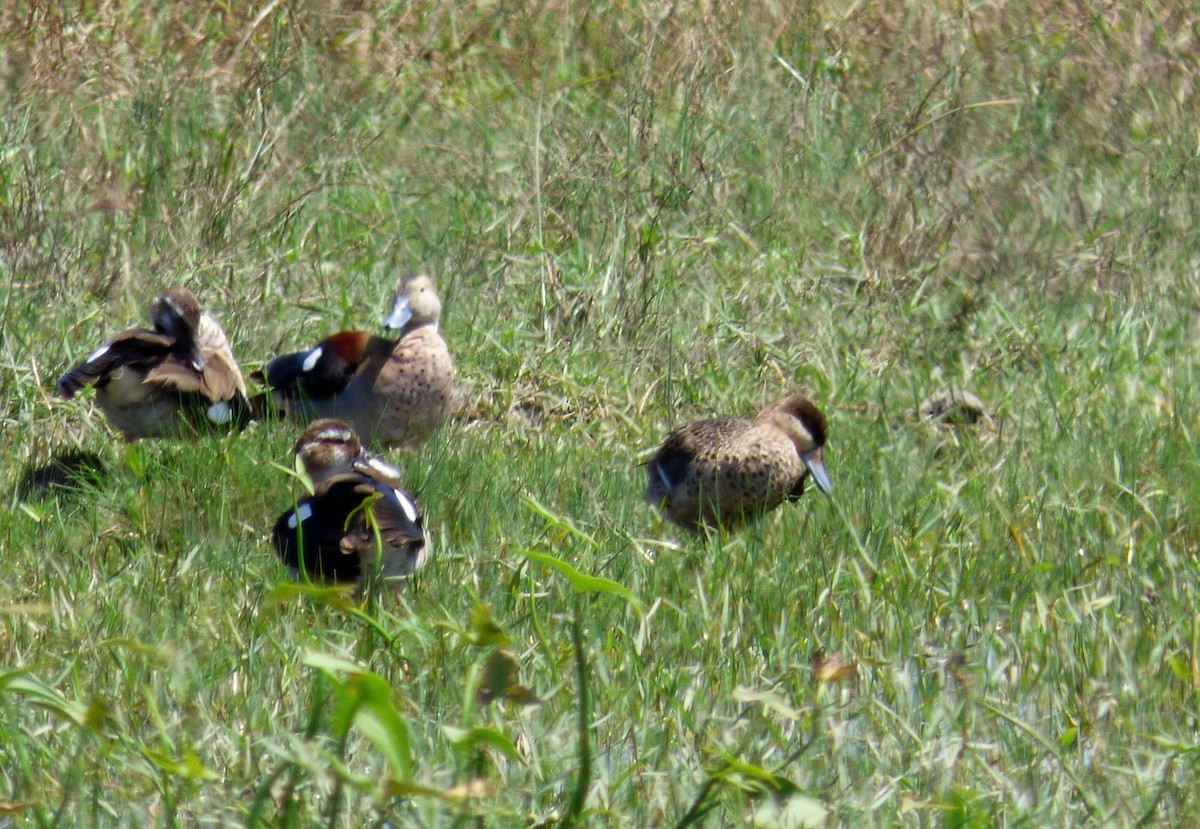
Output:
x,y
175,379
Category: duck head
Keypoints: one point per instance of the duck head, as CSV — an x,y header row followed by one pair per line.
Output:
x,y
175,311
804,424
327,448
416,304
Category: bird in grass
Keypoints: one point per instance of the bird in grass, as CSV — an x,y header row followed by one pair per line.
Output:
x,y
394,392
178,378
358,525
726,471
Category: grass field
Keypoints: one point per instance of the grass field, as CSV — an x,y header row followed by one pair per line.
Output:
x,y
637,214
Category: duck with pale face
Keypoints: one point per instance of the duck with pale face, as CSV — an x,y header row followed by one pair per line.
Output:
x,y
393,391
178,378
726,471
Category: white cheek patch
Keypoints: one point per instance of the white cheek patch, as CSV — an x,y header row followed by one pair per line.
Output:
x,y
219,413
310,362
302,513
97,354
406,504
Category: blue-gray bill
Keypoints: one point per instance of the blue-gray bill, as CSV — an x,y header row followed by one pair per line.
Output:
x,y
401,314
816,467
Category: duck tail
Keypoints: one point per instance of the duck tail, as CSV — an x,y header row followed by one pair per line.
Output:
x,y
285,372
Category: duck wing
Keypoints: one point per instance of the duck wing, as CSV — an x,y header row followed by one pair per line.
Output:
x,y
330,532
401,538
672,463
136,349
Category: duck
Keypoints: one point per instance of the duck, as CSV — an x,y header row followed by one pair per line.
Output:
x,y
358,525
394,391
177,378
723,472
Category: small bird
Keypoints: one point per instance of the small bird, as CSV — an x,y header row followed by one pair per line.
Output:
x,y
394,392
172,380
358,525
723,472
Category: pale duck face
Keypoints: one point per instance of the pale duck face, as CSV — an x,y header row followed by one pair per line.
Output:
x,y
416,304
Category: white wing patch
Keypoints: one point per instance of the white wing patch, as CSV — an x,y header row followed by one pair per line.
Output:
x,y
97,354
219,413
302,513
310,362
406,504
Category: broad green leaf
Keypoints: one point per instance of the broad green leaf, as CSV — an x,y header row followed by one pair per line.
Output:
x,y
798,811
1181,669
753,778
336,596
485,630
379,720
558,521
188,766
163,653
365,701
7,677
480,735
331,664
769,700
499,672
475,789
91,716
1069,737
581,582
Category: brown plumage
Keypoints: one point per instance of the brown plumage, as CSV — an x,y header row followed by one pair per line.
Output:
x,y
331,535
394,392
725,471
172,380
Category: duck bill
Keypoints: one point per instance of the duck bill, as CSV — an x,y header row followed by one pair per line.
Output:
x,y
815,465
400,315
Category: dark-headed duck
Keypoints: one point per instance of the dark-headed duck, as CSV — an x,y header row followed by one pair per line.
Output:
x,y
359,524
725,471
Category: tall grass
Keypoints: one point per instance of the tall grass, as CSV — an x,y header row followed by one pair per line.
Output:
x,y
637,214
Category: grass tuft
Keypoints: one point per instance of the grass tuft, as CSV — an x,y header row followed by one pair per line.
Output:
x,y
637,215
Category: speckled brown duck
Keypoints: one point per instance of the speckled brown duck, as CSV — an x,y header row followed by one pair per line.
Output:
x,y
358,524
394,392
176,379
726,471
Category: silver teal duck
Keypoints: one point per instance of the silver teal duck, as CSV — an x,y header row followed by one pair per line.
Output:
x,y
726,471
